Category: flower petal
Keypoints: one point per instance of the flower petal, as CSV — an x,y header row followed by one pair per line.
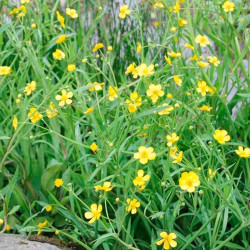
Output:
x,y
88,215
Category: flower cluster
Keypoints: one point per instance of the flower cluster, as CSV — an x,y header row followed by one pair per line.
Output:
x,y
120,120
141,70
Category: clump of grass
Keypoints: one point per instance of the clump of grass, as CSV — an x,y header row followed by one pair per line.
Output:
x,y
125,125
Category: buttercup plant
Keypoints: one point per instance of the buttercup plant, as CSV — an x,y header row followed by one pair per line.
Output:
x,y
124,124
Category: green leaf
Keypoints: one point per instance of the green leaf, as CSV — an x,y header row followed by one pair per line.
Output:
x,y
14,210
73,218
11,187
4,137
53,171
103,238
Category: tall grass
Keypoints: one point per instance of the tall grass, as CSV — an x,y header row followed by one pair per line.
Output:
x,y
216,215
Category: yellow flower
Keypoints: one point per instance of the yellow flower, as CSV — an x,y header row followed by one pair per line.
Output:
x,y
211,174
167,110
140,179
176,8
58,182
211,91
61,38
113,93
202,88
8,227
133,205
25,1
97,86
154,91
182,22
173,150
213,60
95,213
172,139
106,187
124,11
144,70
1,222
60,19
132,69
51,111
177,157
43,224
21,11
189,181
135,102
109,48
167,240
193,58
174,54
34,115
93,147
169,96
142,135
205,108
97,47
138,48
168,60
5,70
30,87
65,98
221,136
177,80
189,46
203,64
89,110
158,5
15,122
156,24
228,6
145,154
33,25
173,29
48,208
202,40
71,67
71,12
244,153
58,54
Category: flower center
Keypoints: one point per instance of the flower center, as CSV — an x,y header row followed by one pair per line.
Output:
x,y
144,154
95,214
203,39
220,137
190,183
64,98
139,180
